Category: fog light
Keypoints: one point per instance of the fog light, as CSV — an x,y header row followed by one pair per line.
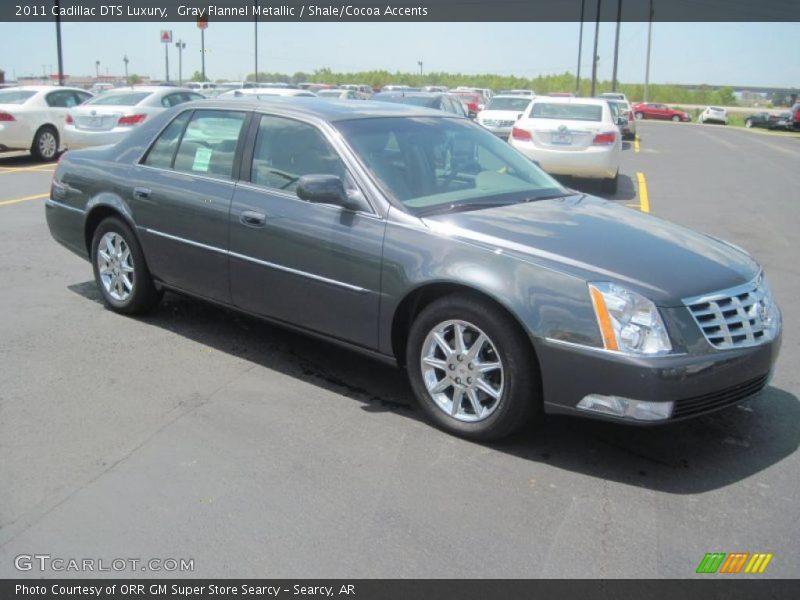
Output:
x,y
639,410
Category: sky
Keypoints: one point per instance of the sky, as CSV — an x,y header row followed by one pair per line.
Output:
x,y
758,54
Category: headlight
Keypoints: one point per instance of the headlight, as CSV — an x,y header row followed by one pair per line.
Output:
x,y
628,321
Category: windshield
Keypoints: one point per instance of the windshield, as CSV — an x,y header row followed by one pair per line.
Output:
x,y
439,164
15,96
515,104
562,110
329,93
121,99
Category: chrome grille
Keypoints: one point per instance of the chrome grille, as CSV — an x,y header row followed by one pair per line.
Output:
x,y
737,317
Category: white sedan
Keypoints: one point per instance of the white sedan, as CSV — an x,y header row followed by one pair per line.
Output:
x,y
108,118
713,114
32,118
502,112
571,136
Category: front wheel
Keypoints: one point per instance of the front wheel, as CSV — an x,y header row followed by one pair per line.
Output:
x,y
472,370
639,116
120,270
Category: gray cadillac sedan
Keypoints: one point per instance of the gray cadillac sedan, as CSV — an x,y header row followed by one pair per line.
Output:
x,y
421,239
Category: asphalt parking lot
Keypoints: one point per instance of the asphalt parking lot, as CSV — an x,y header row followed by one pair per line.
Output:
x,y
196,433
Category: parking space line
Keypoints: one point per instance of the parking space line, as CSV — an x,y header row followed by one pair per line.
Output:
x,y
37,168
636,142
24,199
644,200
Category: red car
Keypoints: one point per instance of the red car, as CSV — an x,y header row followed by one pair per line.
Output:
x,y
471,102
649,110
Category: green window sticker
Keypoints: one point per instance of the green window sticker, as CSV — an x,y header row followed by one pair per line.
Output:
x,y
201,159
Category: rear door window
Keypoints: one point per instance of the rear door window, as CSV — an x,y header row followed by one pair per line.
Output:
x,y
208,145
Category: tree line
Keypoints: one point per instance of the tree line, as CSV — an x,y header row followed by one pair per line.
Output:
x,y
543,84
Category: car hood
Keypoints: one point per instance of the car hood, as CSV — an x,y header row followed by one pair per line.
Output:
x,y
601,241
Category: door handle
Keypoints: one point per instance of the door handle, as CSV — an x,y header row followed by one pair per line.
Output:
x,y
252,218
141,193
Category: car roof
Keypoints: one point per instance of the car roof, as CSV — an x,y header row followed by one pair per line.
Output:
x,y
514,96
328,110
570,100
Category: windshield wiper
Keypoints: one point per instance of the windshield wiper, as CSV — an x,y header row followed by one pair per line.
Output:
x,y
461,207
550,196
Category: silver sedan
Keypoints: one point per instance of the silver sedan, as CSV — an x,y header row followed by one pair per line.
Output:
x,y
108,118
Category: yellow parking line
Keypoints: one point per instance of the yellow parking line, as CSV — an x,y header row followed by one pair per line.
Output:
x,y
636,142
20,169
644,200
24,199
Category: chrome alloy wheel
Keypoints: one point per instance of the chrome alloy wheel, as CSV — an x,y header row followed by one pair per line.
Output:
x,y
462,370
115,265
47,144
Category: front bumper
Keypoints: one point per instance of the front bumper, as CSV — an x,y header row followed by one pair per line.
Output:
x,y
696,384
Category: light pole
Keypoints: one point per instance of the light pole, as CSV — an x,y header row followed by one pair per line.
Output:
x,y
125,60
203,53
97,69
649,39
180,44
419,62
580,49
594,54
255,36
616,47
58,45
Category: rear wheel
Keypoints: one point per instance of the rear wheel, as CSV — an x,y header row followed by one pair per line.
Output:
x,y
45,144
120,270
676,118
748,123
472,369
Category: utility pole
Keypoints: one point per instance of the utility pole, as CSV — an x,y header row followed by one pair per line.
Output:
x,y
180,44
126,61
97,69
616,47
255,36
649,40
419,62
166,61
580,49
58,45
594,54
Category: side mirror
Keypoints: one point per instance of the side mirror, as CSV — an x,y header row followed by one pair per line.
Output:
x,y
327,189
519,116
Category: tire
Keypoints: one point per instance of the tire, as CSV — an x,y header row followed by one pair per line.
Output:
x,y
516,381
45,144
676,118
610,186
125,282
748,123
638,116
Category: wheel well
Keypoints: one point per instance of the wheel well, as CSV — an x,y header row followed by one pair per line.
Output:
x,y
416,301
48,126
93,219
